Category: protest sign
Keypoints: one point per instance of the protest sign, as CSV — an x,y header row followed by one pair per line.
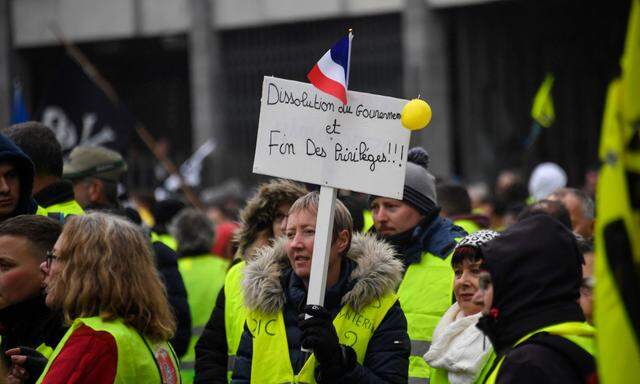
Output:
x,y
307,136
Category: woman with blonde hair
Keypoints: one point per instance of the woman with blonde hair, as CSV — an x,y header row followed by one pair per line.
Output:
x,y
101,275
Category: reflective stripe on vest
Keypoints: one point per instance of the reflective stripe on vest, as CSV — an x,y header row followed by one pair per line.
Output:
x,y
582,334
270,362
425,295
203,277
139,359
70,207
235,313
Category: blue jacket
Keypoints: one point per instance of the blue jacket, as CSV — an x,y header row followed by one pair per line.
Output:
x,y
10,153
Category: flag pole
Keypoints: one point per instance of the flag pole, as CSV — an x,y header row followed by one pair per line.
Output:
x,y
92,72
349,57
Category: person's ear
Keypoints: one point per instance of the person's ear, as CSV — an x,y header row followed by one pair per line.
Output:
x,y
342,241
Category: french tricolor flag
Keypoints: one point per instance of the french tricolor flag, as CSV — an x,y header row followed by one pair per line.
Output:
x,y
331,73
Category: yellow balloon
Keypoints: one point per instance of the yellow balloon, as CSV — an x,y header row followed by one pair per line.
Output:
x,y
416,115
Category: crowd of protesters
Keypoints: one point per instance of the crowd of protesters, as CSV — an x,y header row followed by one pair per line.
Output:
x,y
451,284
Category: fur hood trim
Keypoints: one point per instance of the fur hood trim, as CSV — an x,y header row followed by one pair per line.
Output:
x,y
377,273
261,210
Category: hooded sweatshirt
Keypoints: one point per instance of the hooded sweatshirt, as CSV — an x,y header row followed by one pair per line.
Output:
x,y
10,153
535,268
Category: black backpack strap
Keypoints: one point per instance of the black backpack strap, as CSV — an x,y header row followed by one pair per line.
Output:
x,y
582,361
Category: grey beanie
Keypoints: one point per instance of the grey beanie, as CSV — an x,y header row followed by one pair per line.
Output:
x,y
419,183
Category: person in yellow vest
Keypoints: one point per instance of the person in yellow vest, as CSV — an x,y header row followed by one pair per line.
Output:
x,y
460,353
101,274
203,274
529,293
261,221
25,321
95,172
455,204
359,335
49,189
424,242
163,212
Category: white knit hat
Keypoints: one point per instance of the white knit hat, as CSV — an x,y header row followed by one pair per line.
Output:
x,y
546,178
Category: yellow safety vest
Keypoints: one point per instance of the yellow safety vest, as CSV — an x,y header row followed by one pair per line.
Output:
x,y
270,362
235,312
468,225
41,211
165,239
425,295
582,334
139,359
203,276
70,207
368,220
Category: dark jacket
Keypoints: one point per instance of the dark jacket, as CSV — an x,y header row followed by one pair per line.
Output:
x,y
167,262
369,271
30,323
536,273
9,152
57,192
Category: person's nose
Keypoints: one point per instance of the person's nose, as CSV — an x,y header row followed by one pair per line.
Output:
x,y
296,242
379,215
465,279
4,186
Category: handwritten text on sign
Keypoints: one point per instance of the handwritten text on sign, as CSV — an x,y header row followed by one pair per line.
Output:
x,y
308,136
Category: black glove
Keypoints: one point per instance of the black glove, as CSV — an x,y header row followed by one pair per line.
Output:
x,y
319,335
35,363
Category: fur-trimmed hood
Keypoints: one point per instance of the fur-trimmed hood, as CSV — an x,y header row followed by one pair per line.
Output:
x,y
261,210
377,272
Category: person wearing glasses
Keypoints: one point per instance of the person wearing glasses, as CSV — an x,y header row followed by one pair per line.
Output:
x,y
529,292
101,275
25,321
459,352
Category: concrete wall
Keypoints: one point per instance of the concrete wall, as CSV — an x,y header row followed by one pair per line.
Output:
x,y
91,20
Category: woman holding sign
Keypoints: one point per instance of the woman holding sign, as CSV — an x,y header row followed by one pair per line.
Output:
x,y
360,335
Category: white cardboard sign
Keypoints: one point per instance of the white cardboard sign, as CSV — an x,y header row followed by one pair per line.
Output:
x,y
308,136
